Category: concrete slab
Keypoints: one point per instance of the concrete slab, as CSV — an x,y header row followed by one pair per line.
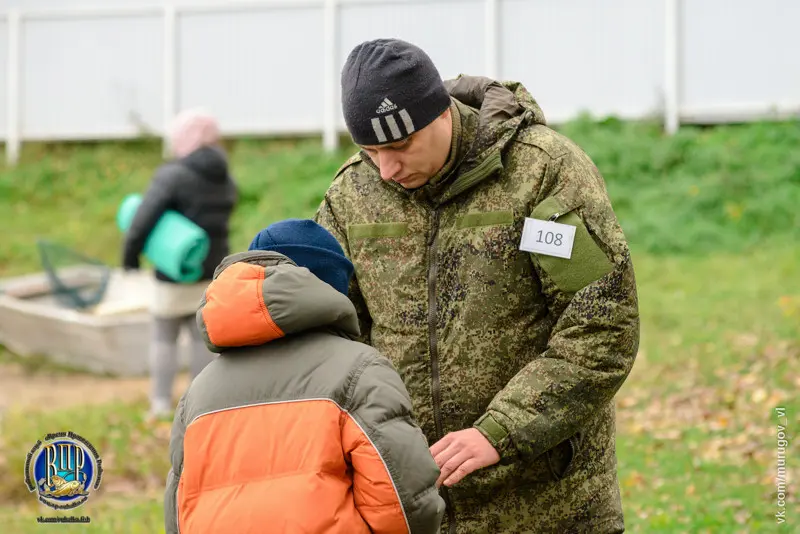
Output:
x,y
111,337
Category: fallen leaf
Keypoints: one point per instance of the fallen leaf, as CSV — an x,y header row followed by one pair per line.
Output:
x,y
759,395
745,340
720,423
123,485
748,379
777,398
669,434
731,503
789,305
635,479
637,428
734,210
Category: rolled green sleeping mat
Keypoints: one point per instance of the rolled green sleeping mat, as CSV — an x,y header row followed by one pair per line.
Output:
x,y
176,246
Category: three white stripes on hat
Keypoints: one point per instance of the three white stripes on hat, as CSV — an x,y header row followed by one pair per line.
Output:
x,y
391,122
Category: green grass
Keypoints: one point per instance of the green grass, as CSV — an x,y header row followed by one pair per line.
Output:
x,y
133,450
714,310
135,460
696,423
665,491
704,189
130,514
712,217
70,195
696,431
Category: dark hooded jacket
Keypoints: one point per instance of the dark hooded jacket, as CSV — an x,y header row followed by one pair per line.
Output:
x,y
200,187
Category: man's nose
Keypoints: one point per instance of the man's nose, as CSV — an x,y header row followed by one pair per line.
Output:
x,y
389,165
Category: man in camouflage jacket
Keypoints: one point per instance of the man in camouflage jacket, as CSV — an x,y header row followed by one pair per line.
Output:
x,y
512,358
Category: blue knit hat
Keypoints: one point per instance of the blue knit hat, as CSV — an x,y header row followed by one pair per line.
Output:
x,y
309,245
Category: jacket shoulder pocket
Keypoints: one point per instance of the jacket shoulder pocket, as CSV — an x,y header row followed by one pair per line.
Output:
x,y
588,262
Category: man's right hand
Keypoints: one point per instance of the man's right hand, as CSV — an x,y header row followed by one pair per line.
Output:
x,y
460,453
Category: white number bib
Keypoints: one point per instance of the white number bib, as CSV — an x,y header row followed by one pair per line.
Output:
x,y
545,237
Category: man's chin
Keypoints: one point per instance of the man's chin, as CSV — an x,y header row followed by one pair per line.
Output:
x,y
412,182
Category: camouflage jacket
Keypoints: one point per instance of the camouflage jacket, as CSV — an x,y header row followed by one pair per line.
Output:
x,y
528,348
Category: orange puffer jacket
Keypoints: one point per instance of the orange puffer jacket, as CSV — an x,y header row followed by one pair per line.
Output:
x,y
295,427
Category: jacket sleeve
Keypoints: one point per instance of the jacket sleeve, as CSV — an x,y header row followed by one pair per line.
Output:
x,y
326,218
593,303
176,468
394,473
157,199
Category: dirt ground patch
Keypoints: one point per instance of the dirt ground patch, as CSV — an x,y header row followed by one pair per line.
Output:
x,y
20,389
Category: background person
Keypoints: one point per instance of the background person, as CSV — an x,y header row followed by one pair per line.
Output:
x,y
197,184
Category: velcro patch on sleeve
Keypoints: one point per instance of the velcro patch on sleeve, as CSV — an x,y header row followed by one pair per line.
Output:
x,y
588,262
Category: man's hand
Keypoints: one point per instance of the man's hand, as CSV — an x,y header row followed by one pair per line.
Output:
x,y
460,453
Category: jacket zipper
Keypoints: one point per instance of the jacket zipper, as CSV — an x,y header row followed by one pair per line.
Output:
x,y
435,385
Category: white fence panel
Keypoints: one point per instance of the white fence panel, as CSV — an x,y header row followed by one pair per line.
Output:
x,y
586,56
3,77
259,71
740,59
90,78
117,68
112,4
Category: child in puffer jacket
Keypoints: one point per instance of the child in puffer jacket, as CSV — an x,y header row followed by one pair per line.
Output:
x,y
295,427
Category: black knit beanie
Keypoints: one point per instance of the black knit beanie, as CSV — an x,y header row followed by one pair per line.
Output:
x,y
390,89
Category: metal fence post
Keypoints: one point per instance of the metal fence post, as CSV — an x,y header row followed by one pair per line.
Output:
x,y
13,80
672,47
491,38
170,74
330,139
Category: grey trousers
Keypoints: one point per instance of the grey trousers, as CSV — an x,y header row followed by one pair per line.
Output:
x,y
164,357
